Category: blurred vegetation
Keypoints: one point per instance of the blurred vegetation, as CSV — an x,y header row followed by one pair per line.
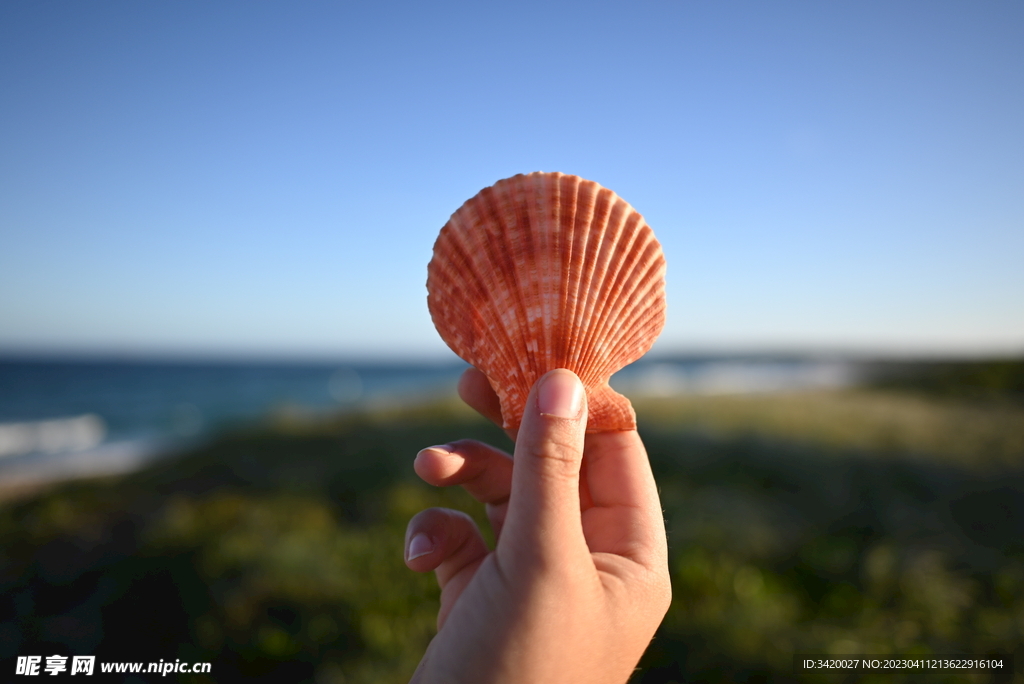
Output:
x,y
992,379
859,521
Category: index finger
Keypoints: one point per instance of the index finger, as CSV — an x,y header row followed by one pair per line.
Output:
x,y
475,389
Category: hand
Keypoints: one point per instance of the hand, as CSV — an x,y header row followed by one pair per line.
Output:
x,y
578,582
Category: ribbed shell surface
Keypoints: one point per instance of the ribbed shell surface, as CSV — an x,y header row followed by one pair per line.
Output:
x,y
543,271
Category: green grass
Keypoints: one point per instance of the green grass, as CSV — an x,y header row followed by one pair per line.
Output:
x,y
999,379
883,424
820,522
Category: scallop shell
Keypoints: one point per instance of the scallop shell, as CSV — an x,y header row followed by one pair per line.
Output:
x,y
543,271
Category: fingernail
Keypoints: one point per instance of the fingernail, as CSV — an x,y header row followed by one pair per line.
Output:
x,y
560,395
420,545
443,448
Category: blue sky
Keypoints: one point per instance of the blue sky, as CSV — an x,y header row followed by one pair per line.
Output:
x,y
269,178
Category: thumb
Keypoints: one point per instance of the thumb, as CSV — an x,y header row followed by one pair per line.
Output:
x,y
544,505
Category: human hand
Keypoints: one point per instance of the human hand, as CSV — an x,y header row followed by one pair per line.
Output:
x,y
578,582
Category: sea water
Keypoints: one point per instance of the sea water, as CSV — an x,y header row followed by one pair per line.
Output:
x,y
62,418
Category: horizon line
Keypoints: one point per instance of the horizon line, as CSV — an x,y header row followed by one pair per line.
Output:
x,y
707,353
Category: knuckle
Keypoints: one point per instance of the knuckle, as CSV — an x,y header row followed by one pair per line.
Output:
x,y
430,518
448,527
421,519
466,444
459,518
558,447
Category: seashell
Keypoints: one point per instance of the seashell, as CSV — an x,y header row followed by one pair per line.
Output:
x,y
543,271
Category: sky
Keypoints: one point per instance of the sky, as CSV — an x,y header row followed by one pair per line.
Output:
x,y
268,179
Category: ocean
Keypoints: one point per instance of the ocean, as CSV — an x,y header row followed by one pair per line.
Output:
x,y
67,418
62,418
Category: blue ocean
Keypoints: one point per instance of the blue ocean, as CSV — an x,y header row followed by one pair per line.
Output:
x,y
63,418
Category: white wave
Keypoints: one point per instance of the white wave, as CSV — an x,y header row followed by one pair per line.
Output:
x,y
107,459
52,436
733,377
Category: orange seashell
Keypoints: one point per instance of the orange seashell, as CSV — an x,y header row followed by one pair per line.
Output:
x,y
543,271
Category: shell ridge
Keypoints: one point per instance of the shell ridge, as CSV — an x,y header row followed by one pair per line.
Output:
x,y
619,311
485,254
519,245
580,259
566,219
450,288
616,284
456,238
647,276
607,267
548,202
634,343
501,246
572,275
588,263
534,263
642,318
595,245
